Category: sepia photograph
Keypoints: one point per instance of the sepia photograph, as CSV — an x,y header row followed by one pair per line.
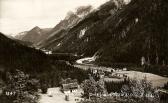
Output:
x,y
83,51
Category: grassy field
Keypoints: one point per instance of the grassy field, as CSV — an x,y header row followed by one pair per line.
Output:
x,y
156,80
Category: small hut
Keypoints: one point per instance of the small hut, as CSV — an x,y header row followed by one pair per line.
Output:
x,y
69,86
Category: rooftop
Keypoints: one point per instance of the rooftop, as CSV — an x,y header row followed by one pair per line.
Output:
x,y
69,86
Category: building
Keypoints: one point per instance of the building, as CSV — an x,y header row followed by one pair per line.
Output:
x,y
101,74
119,75
69,86
94,71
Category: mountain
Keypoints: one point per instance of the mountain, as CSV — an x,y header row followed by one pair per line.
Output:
x,y
138,30
19,36
60,30
14,55
56,33
38,65
87,36
119,33
35,35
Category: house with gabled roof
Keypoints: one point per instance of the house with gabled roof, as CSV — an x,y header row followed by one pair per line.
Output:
x,y
69,86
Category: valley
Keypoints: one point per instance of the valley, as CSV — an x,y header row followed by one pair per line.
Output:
x,y
156,80
115,53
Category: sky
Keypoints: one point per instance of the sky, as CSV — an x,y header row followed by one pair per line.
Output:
x,y
22,15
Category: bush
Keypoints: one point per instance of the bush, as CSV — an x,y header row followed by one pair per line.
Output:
x,y
5,99
17,82
166,86
140,91
44,88
115,86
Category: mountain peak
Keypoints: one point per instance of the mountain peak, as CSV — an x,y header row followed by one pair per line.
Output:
x,y
36,28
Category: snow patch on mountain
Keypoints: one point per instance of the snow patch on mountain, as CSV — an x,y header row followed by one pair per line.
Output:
x,y
58,44
127,1
82,32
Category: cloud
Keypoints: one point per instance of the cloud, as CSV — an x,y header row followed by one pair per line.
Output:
x,y
21,15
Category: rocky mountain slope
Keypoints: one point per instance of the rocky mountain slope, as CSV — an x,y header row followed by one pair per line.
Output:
x,y
118,33
60,30
88,35
139,29
56,33
34,36
19,36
